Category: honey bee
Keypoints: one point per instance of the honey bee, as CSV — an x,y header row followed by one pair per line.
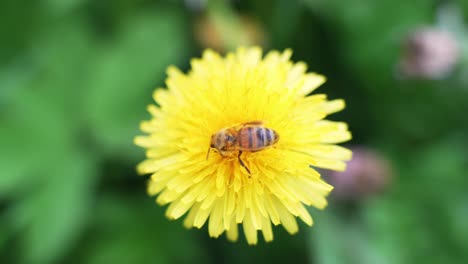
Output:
x,y
247,137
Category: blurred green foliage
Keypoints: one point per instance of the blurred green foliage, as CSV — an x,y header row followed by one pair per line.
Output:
x,y
76,76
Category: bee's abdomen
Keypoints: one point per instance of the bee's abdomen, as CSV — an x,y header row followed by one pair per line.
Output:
x,y
256,138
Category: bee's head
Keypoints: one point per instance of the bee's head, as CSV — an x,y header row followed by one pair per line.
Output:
x,y
229,138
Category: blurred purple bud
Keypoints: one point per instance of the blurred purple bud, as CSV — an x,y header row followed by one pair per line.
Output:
x,y
367,173
429,53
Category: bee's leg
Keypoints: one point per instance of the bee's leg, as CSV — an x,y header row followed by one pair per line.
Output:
x,y
208,153
242,163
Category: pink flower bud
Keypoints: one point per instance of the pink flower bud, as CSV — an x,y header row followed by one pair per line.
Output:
x,y
429,53
367,173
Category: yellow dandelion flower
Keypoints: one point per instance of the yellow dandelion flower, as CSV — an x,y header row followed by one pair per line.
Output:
x,y
270,185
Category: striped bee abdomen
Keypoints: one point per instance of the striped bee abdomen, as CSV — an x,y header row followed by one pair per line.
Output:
x,y
255,138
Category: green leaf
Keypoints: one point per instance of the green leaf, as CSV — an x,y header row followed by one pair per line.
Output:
x,y
284,10
133,229
32,136
51,216
39,104
125,71
424,211
370,33
340,237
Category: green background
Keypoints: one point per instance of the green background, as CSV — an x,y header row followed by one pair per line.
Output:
x,y
75,79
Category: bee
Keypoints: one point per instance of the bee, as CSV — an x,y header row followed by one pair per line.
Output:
x,y
247,137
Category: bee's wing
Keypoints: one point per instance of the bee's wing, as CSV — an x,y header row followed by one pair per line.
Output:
x,y
253,123
246,124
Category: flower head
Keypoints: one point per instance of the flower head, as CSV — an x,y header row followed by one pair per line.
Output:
x,y
226,92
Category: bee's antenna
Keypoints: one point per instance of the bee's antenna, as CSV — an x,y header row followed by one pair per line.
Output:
x,y
208,153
